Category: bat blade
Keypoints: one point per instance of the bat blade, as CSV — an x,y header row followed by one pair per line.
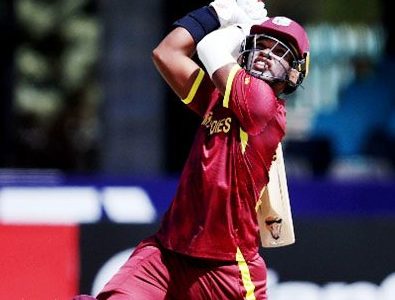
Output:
x,y
274,212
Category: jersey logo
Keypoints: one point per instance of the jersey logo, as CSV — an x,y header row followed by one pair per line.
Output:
x,y
216,126
282,21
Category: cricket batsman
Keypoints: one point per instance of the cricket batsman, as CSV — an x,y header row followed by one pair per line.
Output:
x,y
208,241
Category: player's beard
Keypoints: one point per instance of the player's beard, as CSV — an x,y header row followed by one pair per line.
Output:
x,y
268,70
268,74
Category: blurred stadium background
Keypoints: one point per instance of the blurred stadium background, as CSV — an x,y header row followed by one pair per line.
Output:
x,y
92,142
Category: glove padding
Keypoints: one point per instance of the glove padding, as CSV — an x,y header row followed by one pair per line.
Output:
x,y
255,9
231,12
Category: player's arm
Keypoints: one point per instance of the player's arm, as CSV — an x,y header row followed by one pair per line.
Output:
x,y
172,58
173,55
219,50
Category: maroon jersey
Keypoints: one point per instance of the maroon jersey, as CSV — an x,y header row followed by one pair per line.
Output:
x,y
213,212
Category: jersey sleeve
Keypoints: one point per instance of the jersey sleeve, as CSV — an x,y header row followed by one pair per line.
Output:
x,y
252,100
199,96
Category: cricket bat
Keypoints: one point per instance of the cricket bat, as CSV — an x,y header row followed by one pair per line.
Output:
x,y
274,209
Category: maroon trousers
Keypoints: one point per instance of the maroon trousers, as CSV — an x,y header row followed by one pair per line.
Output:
x,y
156,273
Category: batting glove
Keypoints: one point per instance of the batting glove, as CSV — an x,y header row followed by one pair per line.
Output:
x,y
231,12
255,9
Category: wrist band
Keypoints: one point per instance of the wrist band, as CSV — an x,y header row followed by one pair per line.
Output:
x,y
217,49
199,22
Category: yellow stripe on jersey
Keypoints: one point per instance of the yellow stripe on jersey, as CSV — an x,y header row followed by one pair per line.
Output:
x,y
228,88
194,87
243,140
259,202
245,276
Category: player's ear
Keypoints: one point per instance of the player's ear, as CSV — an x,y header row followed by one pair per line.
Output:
x,y
293,76
293,80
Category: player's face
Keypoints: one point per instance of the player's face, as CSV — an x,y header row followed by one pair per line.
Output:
x,y
271,59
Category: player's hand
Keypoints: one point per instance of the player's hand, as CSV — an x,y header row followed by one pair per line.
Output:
x,y
231,12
